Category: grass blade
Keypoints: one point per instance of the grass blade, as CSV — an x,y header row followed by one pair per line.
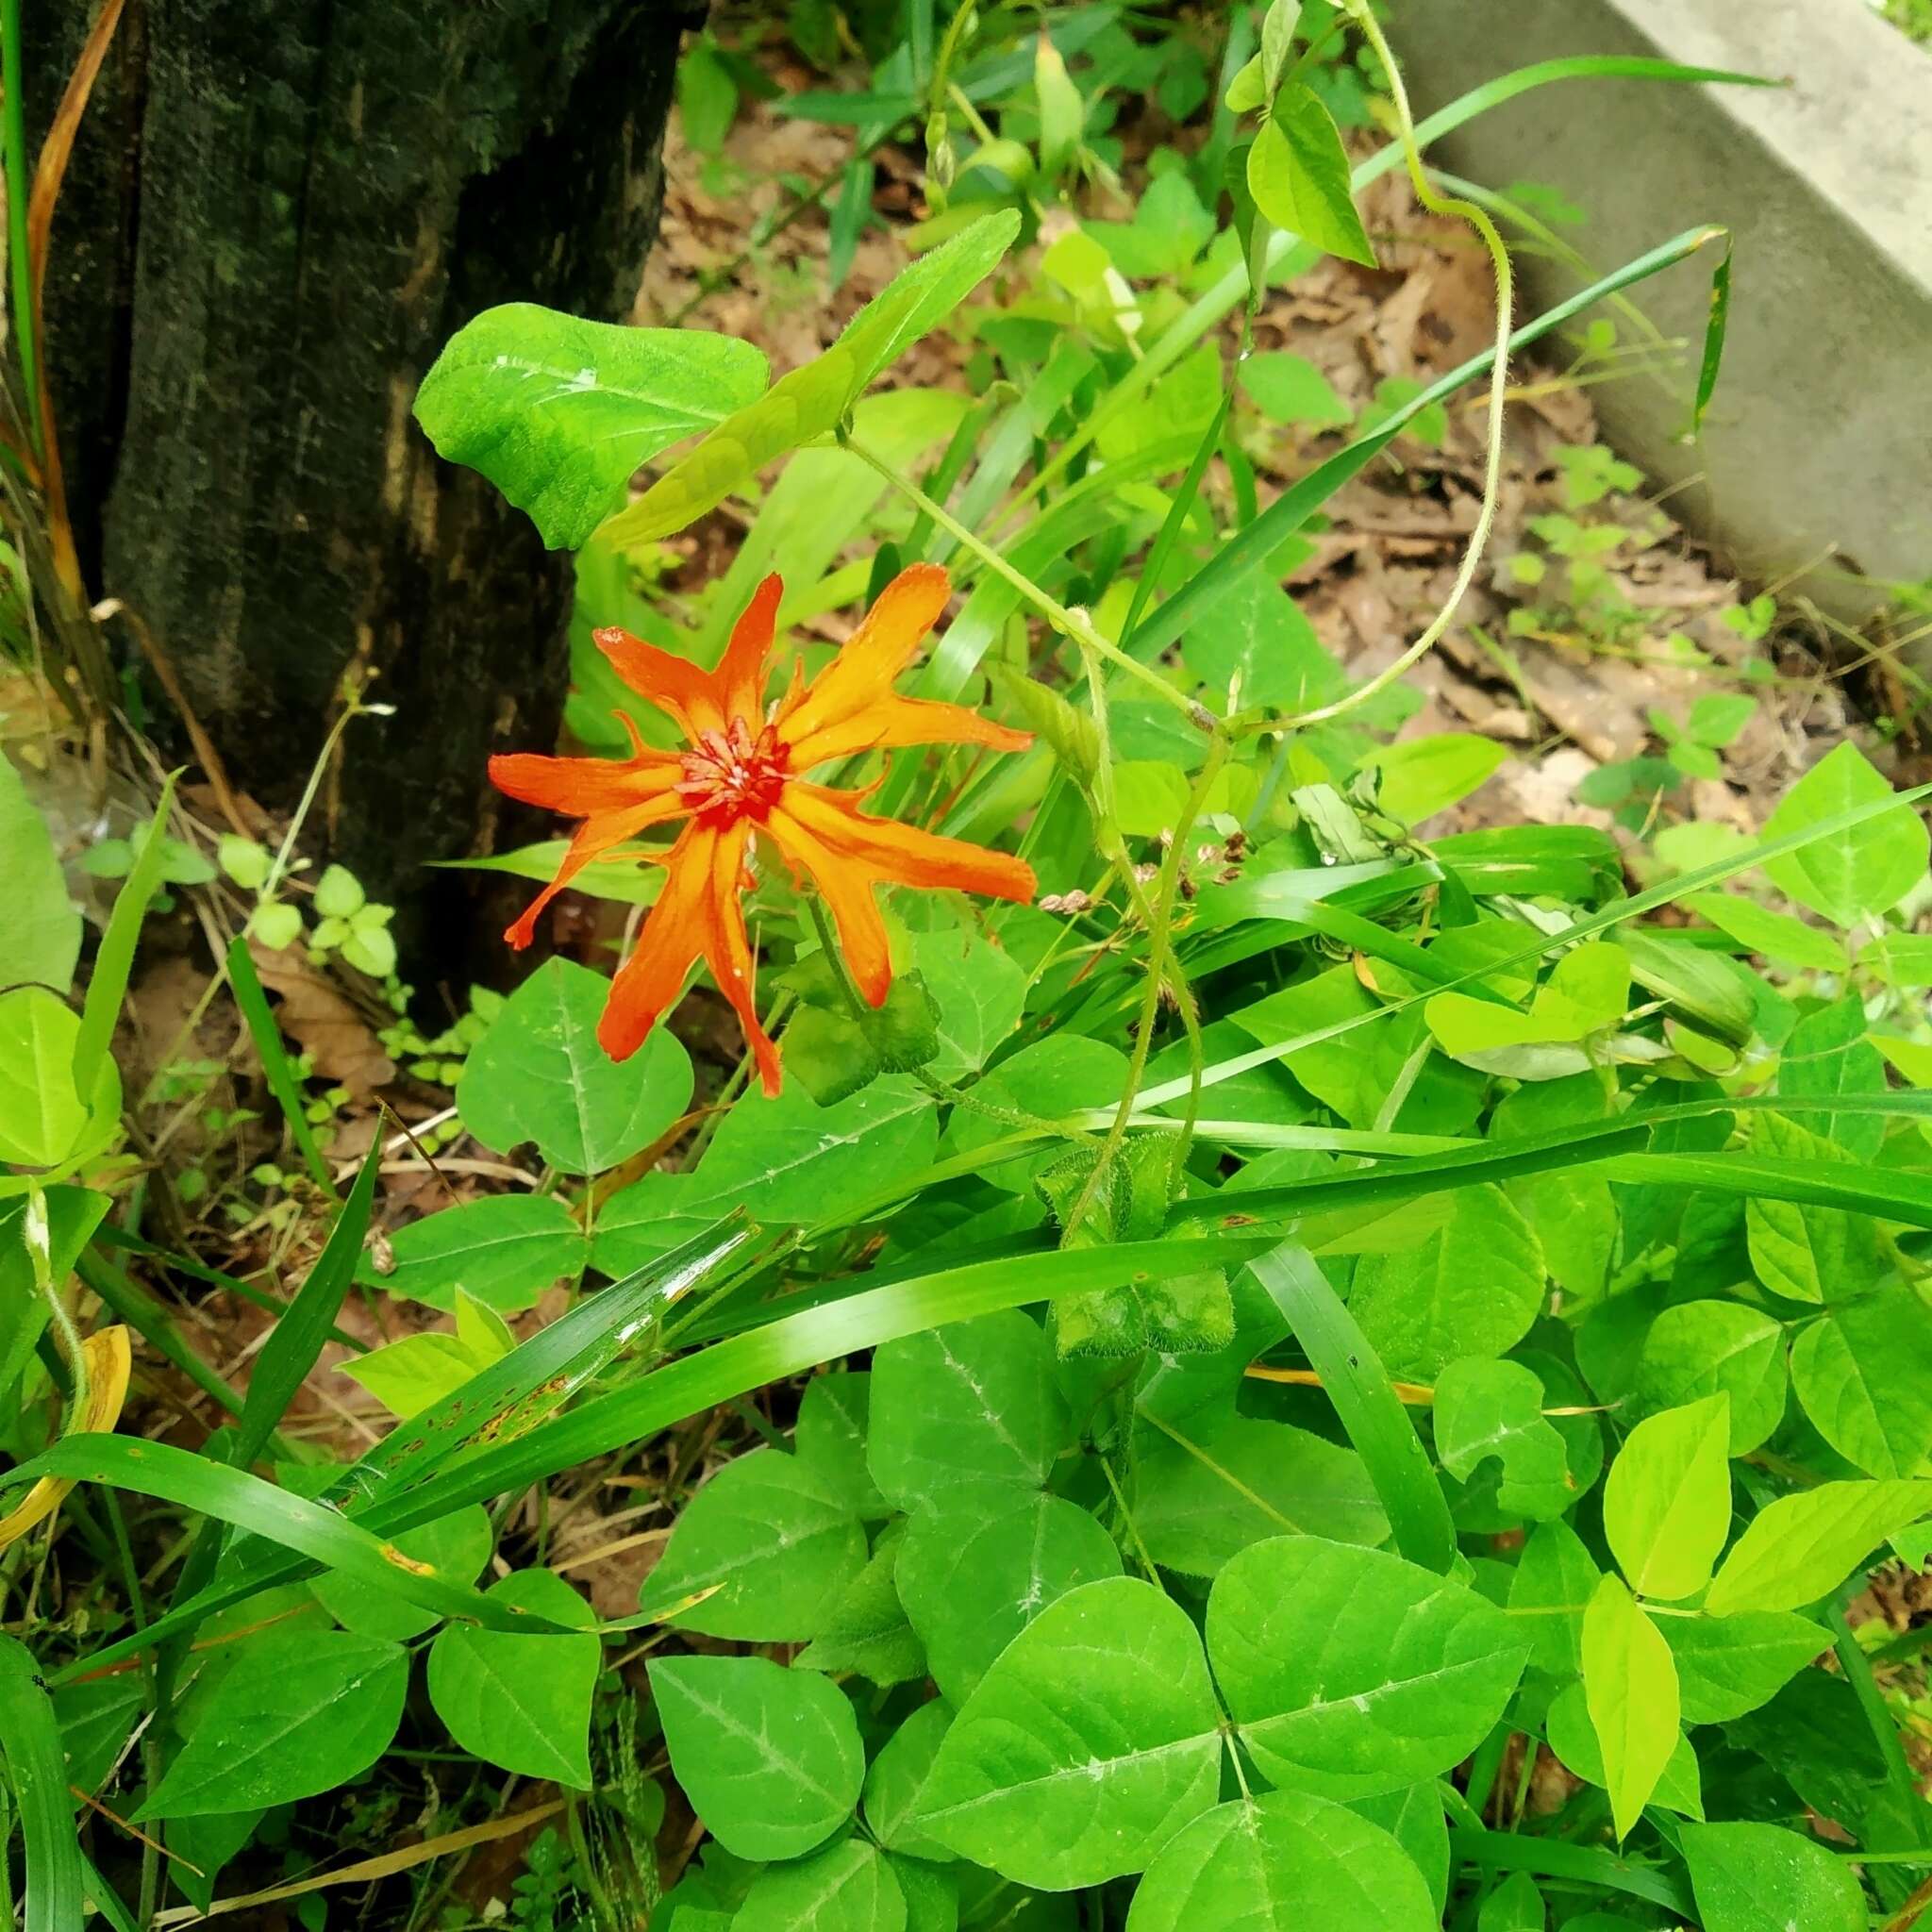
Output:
x,y
37,1771
1354,1379
280,1075
1548,1857
297,1337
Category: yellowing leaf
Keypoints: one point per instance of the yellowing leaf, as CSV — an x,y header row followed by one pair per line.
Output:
x,y
1630,1687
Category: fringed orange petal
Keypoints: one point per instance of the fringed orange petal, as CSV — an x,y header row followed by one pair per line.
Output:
x,y
893,721
695,916
740,677
579,787
848,852
675,685
877,651
595,836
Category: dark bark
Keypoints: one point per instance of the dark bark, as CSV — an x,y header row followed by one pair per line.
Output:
x,y
278,212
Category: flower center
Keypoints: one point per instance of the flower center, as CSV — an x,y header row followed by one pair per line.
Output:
x,y
731,775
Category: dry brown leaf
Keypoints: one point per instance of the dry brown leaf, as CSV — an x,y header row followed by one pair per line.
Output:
x,y
323,1024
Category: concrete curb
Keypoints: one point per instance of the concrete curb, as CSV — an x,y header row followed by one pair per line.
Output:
x,y
1817,454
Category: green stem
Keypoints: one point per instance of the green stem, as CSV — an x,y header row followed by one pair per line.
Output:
x,y
1070,623
40,1250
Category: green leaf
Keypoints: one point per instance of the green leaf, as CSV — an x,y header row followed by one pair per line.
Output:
x,y
1062,110
1209,1485
1472,1287
540,1075
833,1418
772,1540
1697,1349
1556,1576
1515,1905
1282,1863
42,1118
1729,1665
1805,1252
979,990
1851,876
44,936
1774,935
975,1570
521,1704
1573,1738
794,1159
865,1628
503,1249
1290,388
1752,1877
1256,641
769,1757
1631,1686
965,1407
1350,1671
1421,777
1495,1408
896,1777
1051,1078
1864,1377
835,1053
106,984
299,1712
1828,1057
1093,1739
848,1887
30,1752
458,1545
1800,1548
559,412
1666,1502
407,1377
1414,1819
1298,174
810,400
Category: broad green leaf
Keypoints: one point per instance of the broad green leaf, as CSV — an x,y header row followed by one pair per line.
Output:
x,y
1495,1408
458,1544
1472,1289
848,1887
1774,935
1584,997
1729,1665
975,1570
73,1215
978,988
1282,1863
1801,1547
42,1117
1421,777
540,1075
830,1440
1666,1502
559,412
1092,1740
1698,1349
864,1628
769,1757
1290,388
1298,174
897,1776
774,1543
503,1249
1050,1079
1763,1878
1207,1486
1556,1577
1828,1057
1254,640
810,400
1805,1252
1631,1686
1573,1737
1350,1671
1414,1819
407,1377
1863,1375
521,1704
1851,876
1514,1905
44,924
299,1712
966,1407
796,1160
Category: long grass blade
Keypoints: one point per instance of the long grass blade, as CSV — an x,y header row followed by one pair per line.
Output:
x,y
37,1771
280,1075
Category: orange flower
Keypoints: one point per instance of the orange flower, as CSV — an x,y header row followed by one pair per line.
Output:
x,y
742,774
